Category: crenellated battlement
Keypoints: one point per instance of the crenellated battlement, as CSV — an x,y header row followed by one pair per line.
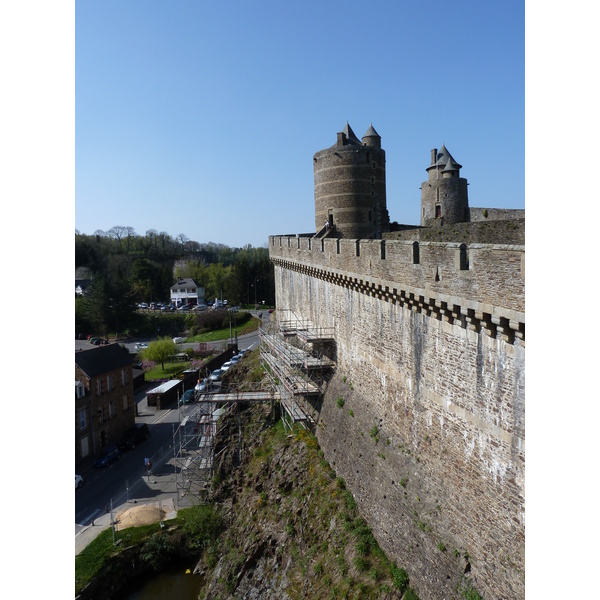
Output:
x,y
475,286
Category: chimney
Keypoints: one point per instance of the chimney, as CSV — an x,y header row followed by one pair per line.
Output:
x,y
433,156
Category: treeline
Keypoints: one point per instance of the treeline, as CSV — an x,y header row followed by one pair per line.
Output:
x,y
126,268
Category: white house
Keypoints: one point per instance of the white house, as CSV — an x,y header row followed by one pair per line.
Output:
x,y
187,291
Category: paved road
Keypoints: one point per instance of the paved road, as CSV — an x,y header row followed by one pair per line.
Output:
x,y
249,340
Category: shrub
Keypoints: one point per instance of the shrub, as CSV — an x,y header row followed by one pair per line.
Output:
x,y
399,578
340,401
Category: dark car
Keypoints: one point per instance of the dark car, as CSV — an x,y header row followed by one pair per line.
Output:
x,y
110,455
134,436
188,397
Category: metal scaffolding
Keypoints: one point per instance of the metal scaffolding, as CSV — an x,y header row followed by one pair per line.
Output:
x,y
297,357
194,439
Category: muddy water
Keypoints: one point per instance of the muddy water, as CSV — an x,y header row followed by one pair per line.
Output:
x,y
166,586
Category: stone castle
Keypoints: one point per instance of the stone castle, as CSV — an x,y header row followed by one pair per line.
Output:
x,y
424,413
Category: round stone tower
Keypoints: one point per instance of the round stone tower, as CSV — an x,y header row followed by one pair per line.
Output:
x,y
350,186
444,198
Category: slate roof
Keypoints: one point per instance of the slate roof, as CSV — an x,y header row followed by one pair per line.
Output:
x,y
443,157
103,359
188,281
350,136
371,132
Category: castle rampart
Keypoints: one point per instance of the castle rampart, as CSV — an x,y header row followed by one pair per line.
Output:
x,y
452,282
430,365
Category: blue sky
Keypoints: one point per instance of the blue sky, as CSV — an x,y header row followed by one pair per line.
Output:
x,y
202,118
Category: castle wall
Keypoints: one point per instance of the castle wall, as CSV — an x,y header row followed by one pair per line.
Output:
x,y
430,438
496,214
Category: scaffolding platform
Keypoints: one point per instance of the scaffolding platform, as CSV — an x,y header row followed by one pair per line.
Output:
x,y
294,353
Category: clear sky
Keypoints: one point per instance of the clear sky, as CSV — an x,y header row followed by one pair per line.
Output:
x,y
202,118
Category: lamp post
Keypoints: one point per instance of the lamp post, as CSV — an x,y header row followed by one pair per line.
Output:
x,y
255,295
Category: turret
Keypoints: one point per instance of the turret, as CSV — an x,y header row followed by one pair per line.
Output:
x,y
350,186
444,197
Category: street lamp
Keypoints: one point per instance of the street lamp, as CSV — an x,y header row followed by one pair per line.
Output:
x,y
255,288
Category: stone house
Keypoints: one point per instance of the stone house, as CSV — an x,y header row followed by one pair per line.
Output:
x,y
104,400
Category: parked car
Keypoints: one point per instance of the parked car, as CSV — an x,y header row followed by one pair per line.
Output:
x,y
189,396
143,305
78,481
271,310
166,308
178,340
185,307
216,375
108,457
236,359
134,436
95,341
140,346
202,385
227,366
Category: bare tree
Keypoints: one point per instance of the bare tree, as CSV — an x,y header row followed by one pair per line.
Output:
x,y
130,232
118,232
182,239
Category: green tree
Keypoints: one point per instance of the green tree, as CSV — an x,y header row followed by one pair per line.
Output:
x,y
160,350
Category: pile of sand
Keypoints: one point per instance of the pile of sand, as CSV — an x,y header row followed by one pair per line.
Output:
x,y
139,515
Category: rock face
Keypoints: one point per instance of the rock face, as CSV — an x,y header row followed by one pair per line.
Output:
x,y
293,529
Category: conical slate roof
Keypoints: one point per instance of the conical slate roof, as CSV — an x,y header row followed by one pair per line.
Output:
x,y
443,157
350,134
451,165
371,132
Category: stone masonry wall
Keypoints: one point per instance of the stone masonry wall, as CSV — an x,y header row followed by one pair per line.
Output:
x,y
430,438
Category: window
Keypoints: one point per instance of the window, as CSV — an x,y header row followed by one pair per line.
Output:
x,y
101,414
124,376
416,253
85,447
464,258
382,249
438,211
109,385
82,419
125,402
111,410
99,386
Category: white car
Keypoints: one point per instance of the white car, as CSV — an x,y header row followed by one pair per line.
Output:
x,y
78,481
227,366
216,375
178,340
140,346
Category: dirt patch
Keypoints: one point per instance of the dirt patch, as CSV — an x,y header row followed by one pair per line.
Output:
x,y
139,515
